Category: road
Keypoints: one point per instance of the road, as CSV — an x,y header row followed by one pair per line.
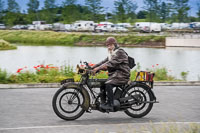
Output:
x,y
30,110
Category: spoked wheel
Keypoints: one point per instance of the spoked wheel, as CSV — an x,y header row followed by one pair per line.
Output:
x,y
68,103
141,106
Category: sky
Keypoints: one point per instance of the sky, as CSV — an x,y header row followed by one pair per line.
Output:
x,y
109,4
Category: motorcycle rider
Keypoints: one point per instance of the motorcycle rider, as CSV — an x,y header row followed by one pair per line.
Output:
x,y
118,70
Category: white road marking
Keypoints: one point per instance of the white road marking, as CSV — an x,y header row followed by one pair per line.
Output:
x,y
65,126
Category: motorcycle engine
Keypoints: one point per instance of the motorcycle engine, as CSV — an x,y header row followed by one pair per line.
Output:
x,y
116,105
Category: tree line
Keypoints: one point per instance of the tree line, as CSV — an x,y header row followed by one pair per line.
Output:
x,y
124,11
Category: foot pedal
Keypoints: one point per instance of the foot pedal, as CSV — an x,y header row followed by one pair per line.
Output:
x,y
88,111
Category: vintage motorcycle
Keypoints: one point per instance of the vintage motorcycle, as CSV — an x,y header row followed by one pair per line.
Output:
x,y
73,99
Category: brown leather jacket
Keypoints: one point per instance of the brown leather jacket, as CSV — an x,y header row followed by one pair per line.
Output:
x,y
118,68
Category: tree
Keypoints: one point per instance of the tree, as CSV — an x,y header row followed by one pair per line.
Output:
x,y
70,13
164,11
1,9
1,5
124,9
33,6
152,7
198,12
13,6
95,8
48,4
142,14
180,10
49,14
69,2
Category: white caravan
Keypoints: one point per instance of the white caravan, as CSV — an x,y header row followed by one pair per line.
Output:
x,y
110,28
38,22
84,26
148,27
43,27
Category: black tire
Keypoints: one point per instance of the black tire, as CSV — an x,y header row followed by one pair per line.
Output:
x,y
145,94
61,99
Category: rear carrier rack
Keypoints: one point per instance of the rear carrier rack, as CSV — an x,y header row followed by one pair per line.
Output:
x,y
145,77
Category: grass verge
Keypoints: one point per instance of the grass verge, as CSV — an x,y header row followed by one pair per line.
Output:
x,y
4,45
59,38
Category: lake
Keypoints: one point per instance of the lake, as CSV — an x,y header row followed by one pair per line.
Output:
x,y
175,60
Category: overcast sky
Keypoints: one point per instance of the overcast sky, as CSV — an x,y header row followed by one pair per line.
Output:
x,y
109,4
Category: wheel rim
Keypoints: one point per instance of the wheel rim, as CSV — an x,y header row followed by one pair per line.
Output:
x,y
72,102
139,103
139,108
69,110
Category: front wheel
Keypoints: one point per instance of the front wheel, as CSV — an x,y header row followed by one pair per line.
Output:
x,y
142,106
68,103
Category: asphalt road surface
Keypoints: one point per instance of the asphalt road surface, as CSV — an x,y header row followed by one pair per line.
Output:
x,y
30,110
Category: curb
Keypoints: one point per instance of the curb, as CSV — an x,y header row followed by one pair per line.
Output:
x,y
57,85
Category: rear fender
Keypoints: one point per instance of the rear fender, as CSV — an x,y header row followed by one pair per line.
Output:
x,y
74,85
134,84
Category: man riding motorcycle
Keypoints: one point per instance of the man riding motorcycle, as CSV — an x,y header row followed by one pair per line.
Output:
x,y
118,69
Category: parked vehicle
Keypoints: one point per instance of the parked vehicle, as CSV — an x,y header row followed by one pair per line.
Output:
x,y
19,27
125,25
58,27
31,27
110,28
69,27
106,23
180,26
43,27
38,22
73,99
2,27
148,27
84,26
165,26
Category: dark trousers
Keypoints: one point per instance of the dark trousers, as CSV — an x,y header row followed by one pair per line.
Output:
x,y
107,88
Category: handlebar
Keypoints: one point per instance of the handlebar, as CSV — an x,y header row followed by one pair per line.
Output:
x,y
87,65
87,69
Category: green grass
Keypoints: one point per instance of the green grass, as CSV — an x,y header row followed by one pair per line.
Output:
x,y
58,38
171,127
4,45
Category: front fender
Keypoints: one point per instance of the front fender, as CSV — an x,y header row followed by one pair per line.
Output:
x,y
86,95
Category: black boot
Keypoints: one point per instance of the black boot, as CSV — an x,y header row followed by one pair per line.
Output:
x,y
107,106
110,95
103,94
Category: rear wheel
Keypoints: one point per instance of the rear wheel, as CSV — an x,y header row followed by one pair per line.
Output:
x,y
141,107
68,103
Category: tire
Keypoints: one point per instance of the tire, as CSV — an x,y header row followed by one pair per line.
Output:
x,y
67,103
145,94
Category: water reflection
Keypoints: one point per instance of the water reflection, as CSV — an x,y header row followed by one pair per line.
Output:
x,y
175,59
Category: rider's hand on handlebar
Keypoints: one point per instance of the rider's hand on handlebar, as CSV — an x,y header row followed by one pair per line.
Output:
x,y
94,71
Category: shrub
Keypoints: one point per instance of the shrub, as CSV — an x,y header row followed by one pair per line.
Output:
x,y
184,75
3,76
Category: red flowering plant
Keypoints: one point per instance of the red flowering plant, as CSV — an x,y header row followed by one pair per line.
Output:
x,y
22,69
161,73
46,69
